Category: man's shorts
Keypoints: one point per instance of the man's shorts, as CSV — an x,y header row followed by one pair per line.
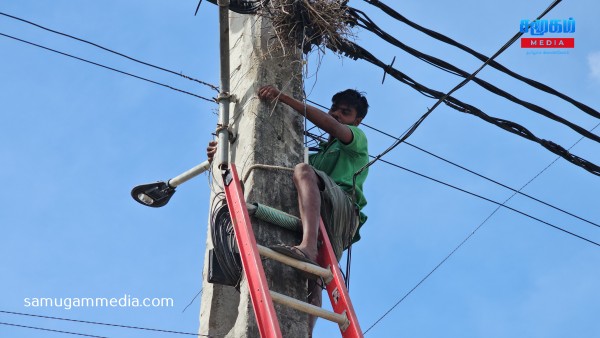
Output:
x,y
339,214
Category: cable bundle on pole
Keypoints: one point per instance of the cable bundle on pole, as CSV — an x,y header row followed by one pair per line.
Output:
x,y
225,248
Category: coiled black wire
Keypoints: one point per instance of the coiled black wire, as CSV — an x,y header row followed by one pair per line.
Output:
x,y
224,245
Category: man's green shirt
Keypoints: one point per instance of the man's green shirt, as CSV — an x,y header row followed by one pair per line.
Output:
x,y
340,161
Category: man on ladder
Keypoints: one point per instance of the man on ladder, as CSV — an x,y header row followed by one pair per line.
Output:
x,y
326,187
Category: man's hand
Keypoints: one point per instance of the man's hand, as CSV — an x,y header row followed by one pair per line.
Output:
x,y
211,150
268,93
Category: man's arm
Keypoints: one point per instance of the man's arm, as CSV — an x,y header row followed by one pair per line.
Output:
x,y
211,150
321,119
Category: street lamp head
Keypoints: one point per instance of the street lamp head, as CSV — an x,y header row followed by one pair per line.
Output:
x,y
153,195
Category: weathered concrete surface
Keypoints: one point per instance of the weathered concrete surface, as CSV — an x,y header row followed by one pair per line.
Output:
x,y
266,134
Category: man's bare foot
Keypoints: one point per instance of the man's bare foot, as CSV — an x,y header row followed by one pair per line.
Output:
x,y
296,252
307,252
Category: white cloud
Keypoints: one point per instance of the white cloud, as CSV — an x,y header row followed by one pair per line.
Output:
x,y
594,63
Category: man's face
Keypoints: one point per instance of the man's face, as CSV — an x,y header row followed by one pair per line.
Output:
x,y
345,114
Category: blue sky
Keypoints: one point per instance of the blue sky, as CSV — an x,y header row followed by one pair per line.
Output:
x,y
76,138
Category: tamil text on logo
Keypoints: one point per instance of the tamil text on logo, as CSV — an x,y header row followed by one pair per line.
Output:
x,y
539,28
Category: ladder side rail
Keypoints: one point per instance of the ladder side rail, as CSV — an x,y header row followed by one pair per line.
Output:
x,y
262,302
338,294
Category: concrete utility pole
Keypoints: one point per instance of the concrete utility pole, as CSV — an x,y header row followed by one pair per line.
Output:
x,y
264,134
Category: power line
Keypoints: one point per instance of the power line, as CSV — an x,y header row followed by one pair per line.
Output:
x,y
470,235
474,172
365,22
199,292
443,38
317,104
110,50
487,178
479,226
198,7
424,278
211,101
214,87
109,68
447,95
51,330
106,324
490,200
499,205
354,51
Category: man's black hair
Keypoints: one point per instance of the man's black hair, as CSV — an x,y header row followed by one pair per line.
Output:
x,y
353,98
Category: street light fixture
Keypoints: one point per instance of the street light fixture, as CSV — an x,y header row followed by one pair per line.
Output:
x,y
154,194
158,194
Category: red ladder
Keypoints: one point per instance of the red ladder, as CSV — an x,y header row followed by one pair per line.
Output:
x,y
262,298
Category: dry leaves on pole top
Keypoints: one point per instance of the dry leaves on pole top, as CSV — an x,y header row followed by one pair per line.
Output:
x,y
306,23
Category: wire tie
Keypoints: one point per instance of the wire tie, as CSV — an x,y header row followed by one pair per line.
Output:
x,y
387,69
225,96
220,128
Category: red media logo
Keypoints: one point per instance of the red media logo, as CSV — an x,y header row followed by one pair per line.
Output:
x,y
547,42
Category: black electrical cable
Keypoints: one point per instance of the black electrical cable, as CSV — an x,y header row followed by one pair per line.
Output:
x,y
425,278
485,177
110,50
475,230
109,68
448,96
479,196
448,256
438,36
192,301
224,244
315,137
105,324
313,143
51,330
317,104
467,169
365,22
471,235
198,7
490,200
354,51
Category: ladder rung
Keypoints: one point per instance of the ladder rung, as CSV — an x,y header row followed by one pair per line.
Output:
x,y
340,319
307,267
